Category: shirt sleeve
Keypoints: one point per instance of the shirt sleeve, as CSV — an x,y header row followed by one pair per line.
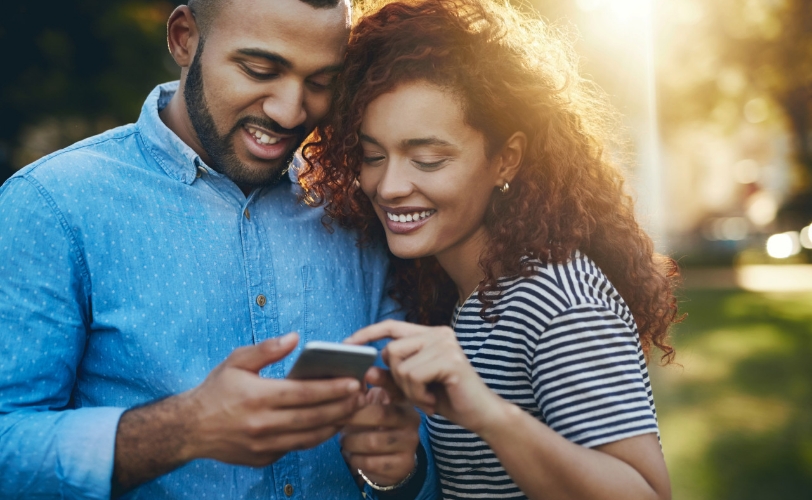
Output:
x,y
590,379
47,447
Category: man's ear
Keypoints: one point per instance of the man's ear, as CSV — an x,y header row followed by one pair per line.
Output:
x,y
510,158
182,35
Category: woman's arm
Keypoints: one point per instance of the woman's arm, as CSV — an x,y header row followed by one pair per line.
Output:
x,y
433,371
546,465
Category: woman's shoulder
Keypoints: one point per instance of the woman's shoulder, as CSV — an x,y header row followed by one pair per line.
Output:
x,y
554,288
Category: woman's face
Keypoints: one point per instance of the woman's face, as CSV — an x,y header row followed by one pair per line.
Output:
x,y
426,172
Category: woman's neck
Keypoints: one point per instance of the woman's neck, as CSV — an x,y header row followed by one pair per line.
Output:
x,y
461,262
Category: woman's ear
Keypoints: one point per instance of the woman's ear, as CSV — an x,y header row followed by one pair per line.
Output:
x,y
182,36
510,158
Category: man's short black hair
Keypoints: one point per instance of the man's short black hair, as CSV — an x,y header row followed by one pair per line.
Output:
x,y
206,10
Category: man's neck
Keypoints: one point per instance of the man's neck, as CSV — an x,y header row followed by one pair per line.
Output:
x,y
176,118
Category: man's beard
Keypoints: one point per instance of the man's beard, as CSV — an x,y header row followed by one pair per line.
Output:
x,y
220,148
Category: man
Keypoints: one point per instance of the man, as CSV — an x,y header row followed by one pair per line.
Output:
x,y
134,264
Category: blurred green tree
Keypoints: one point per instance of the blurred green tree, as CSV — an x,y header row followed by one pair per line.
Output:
x,y
72,69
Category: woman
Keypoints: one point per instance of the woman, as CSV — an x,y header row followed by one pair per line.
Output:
x,y
463,135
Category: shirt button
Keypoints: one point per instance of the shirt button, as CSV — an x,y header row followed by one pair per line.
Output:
x,y
200,171
247,214
261,300
288,490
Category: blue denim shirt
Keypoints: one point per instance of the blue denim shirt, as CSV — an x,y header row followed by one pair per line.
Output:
x,y
128,270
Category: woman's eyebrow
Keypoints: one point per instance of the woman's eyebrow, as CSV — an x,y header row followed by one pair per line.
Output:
x,y
366,138
424,141
410,143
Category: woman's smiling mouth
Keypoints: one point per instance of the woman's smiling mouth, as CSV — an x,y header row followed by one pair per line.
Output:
x,y
406,219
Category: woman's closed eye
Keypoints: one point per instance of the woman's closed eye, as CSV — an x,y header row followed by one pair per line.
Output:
x,y
428,164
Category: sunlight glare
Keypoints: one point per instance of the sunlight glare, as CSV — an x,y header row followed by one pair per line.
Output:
x,y
630,10
588,5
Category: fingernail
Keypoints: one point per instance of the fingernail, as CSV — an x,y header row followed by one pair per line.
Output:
x,y
353,385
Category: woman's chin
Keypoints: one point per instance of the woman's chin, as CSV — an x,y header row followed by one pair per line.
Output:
x,y
404,252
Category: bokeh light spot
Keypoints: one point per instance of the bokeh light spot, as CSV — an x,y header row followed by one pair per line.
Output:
x,y
762,208
746,171
756,110
783,245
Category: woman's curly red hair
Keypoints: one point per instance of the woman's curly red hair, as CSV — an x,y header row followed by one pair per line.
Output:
x,y
513,73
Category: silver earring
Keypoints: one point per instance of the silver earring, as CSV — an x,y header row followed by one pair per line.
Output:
x,y
504,189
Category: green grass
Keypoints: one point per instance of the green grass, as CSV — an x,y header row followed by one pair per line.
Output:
x,y
736,417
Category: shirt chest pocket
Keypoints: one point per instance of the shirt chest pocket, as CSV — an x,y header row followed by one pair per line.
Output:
x,y
337,302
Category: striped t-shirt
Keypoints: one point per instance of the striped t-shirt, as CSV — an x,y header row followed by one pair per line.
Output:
x,y
566,350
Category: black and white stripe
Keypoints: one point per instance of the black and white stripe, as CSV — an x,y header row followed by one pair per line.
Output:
x,y
567,351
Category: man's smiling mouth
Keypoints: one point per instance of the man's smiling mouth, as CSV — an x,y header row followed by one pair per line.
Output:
x,y
262,137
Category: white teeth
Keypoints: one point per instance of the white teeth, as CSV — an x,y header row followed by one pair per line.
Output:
x,y
261,137
409,217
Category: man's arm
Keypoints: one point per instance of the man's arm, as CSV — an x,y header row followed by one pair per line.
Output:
x,y
234,416
44,318
50,449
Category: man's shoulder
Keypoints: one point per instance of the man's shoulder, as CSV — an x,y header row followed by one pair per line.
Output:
x,y
86,158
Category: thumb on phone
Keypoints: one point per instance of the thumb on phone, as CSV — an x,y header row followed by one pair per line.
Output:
x,y
255,357
383,380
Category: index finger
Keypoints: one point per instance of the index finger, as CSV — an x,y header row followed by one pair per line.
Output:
x,y
287,393
389,329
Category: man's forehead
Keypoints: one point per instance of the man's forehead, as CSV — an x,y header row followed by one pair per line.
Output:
x,y
309,38
337,14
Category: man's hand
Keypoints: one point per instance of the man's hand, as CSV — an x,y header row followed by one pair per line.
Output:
x,y
234,416
381,438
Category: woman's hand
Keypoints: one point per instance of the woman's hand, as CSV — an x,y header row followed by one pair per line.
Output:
x,y
432,370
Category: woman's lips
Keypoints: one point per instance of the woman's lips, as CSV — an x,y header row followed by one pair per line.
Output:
x,y
264,145
406,220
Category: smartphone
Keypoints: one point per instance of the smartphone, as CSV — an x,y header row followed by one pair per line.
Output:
x,y
332,360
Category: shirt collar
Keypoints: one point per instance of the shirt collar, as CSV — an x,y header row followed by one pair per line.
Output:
x,y
178,160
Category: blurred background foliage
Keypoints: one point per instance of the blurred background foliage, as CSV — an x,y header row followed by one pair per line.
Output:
x,y
718,99
74,68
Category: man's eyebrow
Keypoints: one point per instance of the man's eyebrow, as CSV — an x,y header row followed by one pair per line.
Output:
x,y
277,59
264,54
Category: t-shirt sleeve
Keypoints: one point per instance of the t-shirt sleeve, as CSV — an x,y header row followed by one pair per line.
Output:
x,y
590,378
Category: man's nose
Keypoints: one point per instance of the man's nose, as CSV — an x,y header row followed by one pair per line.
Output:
x,y
286,105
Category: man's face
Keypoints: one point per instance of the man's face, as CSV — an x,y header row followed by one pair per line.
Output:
x,y
261,81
